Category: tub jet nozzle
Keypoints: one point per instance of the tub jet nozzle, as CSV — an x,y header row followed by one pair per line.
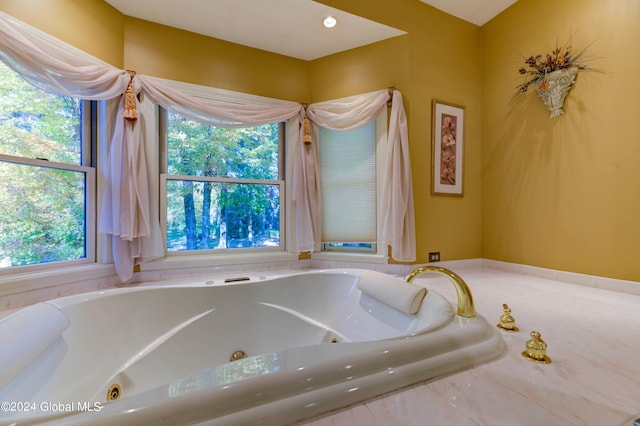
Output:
x,y
237,355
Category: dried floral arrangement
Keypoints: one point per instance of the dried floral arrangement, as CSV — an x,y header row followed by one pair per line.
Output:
x,y
538,66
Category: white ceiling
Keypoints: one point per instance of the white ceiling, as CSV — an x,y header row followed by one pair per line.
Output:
x,y
288,27
477,12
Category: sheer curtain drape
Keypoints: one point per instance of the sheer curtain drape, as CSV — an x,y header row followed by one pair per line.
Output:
x,y
396,219
126,212
216,107
56,67
61,69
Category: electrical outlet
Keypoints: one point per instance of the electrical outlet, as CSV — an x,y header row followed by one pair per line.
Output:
x,y
434,256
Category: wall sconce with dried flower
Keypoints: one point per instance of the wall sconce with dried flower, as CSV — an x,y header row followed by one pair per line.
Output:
x,y
552,76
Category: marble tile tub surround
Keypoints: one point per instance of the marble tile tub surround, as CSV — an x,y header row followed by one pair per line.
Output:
x,y
15,301
593,337
11,302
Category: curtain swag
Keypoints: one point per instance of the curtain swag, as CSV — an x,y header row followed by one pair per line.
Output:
x,y
126,213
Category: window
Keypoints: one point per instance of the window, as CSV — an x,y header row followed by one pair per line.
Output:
x,y
223,188
349,182
46,185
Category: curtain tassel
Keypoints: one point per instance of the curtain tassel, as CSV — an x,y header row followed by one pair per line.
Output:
x,y
390,89
130,110
306,128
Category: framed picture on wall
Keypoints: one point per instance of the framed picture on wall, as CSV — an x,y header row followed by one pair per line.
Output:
x,y
447,148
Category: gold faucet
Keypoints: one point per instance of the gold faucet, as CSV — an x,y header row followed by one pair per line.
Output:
x,y
507,322
465,299
536,349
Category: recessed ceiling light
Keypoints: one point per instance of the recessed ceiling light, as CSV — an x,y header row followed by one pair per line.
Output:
x,y
329,22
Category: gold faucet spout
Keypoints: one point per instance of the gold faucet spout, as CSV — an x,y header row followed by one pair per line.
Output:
x,y
465,299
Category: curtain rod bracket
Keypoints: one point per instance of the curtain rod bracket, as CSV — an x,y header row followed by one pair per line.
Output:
x,y
390,89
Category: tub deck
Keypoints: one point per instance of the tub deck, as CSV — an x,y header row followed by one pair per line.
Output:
x,y
168,349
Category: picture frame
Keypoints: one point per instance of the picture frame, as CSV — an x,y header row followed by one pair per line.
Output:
x,y
447,149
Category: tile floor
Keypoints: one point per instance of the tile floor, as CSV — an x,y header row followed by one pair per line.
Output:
x,y
593,338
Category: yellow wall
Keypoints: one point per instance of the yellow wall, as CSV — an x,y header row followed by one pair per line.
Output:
x,y
439,58
92,26
563,193
166,52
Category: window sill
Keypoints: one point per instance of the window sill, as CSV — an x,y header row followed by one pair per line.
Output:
x,y
36,280
193,261
350,257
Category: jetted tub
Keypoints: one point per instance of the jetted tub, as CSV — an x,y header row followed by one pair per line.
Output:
x,y
314,342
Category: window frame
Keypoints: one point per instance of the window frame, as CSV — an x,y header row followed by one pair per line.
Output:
x,y
233,252
87,166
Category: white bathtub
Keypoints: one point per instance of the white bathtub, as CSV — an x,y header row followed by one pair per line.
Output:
x,y
168,349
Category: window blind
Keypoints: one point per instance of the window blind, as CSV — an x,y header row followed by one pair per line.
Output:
x,y
348,184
